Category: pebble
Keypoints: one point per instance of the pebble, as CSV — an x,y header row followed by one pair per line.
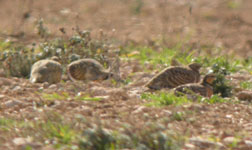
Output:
x,y
139,109
12,103
21,141
229,140
53,86
190,146
2,96
205,143
248,143
17,88
5,81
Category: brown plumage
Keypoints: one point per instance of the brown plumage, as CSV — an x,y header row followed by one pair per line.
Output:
x,y
204,88
174,62
46,71
172,77
87,69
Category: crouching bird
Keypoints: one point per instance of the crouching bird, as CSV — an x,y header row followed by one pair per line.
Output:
x,y
204,88
174,76
87,70
47,70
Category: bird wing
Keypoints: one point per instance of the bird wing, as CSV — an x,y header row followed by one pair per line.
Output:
x,y
178,75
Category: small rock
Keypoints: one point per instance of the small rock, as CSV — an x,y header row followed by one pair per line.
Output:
x,y
167,112
17,88
53,86
229,140
248,143
118,94
5,81
41,89
21,141
2,96
12,103
205,143
139,109
190,146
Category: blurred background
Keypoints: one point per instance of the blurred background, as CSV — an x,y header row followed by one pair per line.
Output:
x,y
197,23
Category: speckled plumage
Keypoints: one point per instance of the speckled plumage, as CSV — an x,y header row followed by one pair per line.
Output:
x,y
204,88
46,71
87,69
174,76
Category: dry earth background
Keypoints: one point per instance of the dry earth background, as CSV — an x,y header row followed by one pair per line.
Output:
x,y
30,119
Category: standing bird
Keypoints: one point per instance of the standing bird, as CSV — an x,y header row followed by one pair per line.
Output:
x,y
204,88
174,76
87,69
47,70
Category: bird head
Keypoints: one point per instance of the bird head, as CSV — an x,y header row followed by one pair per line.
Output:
x,y
195,66
209,79
55,58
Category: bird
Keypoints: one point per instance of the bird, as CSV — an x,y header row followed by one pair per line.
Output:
x,y
174,62
174,76
46,70
204,88
87,69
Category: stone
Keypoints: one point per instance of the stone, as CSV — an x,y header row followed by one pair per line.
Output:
x,y
202,143
229,140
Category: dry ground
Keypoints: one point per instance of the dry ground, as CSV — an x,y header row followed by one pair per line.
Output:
x,y
199,24
226,23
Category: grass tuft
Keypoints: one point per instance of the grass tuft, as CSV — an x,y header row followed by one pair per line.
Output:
x,y
164,98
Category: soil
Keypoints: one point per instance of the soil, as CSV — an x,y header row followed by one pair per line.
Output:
x,y
200,24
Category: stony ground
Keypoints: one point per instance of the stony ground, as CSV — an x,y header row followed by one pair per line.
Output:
x,y
24,106
206,126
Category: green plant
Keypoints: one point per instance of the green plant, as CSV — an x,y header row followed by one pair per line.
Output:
x,y
164,98
246,85
233,4
137,6
6,122
150,137
17,59
87,98
42,31
56,96
178,116
221,68
214,99
161,57
62,132
97,139
155,137
17,62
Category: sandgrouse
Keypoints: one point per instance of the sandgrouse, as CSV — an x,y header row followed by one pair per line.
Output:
x,y
87,70
47,70
204,88
174,76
